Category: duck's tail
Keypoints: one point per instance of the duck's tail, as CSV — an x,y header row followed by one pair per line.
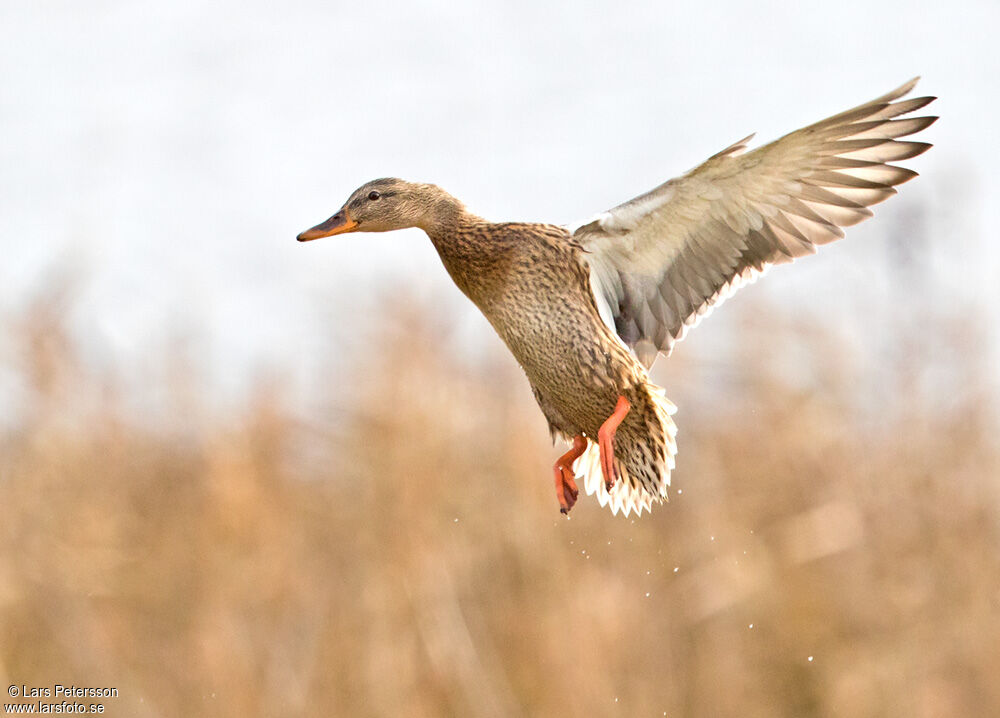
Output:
x,y
644,456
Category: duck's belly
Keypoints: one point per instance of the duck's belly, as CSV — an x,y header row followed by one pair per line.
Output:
x,y
577,369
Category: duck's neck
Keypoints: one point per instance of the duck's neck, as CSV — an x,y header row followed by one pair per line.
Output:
x,y
445,216
449,224
471,253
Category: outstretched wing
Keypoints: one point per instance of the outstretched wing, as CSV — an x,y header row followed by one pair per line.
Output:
x,y
662,260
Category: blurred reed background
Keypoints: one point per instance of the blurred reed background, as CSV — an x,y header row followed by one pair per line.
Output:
x,y
393,546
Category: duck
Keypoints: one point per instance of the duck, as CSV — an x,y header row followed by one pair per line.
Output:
x,y
587,309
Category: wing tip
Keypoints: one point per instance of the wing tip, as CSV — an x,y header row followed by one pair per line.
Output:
x,y
918,148
904,89
907,86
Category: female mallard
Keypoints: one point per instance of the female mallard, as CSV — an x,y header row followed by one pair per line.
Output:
x,y
586,312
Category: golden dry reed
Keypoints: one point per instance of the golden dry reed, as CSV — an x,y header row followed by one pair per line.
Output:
x,y
391,546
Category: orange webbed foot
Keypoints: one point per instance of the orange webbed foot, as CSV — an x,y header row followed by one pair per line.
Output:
x,y
566,490
606,441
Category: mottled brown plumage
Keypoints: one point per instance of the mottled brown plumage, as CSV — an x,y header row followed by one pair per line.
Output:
x,y
532,282
586,312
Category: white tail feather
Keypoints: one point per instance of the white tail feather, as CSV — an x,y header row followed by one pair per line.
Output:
x,y
627,495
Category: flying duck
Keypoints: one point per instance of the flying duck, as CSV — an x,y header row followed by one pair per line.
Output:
x,y
586,311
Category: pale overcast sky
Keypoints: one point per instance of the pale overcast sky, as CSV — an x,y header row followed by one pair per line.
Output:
x,y
172,150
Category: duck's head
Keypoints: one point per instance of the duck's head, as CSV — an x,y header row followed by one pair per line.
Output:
x,y
383,205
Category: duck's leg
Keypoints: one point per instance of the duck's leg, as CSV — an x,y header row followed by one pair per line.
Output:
x,y
606,441
566,490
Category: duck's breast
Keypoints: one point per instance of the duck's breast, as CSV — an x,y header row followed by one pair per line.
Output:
x,y
545,313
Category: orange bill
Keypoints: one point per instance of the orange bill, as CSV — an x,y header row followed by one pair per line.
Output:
x,y
337,224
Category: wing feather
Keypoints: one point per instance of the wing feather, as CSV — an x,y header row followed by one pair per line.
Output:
x,y
661,261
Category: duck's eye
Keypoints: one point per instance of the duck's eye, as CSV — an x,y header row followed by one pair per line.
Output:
x,y
374,195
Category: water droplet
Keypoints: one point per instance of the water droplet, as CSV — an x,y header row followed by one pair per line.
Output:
x,y
676,569
647,594
713,538
679,491
456,519
810,659
751,625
